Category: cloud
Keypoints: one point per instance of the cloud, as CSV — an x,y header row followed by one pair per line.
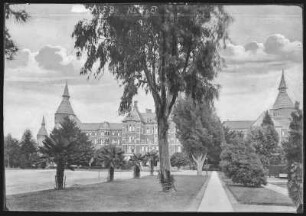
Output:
x,y
278,45
49,64
253,46
51,58
276,50
79,9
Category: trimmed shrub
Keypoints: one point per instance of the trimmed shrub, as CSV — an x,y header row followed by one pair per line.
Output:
x,y
248,174
127,166
179,159
241,163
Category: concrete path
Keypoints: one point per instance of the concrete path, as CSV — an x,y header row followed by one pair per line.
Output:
x,y
215,198
277,189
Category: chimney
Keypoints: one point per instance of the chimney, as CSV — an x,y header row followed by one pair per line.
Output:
x,y
148,111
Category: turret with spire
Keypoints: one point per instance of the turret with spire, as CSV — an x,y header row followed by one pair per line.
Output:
x,y
65,108
283,105
282,85
283,100
42,133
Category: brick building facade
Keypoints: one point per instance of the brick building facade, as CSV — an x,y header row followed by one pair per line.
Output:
x,y
137,133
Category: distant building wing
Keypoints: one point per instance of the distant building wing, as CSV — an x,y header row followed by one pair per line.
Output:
x,y
238,125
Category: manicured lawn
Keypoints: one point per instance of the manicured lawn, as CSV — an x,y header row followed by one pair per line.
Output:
x,y
259,196
122,195
280,184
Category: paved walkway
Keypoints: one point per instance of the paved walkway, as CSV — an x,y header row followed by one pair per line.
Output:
x,y
277,189
215,198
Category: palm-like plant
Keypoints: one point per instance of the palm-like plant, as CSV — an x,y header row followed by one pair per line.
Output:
x,y
66,146
152,157
112,157
136,160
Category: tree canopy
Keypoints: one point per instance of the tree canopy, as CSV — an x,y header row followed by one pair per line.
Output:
x,y
198,128
111,157
293,146
28,150
267,120
240,162
21,16
67,146
68,143
264,139
164,49
179,159
11,151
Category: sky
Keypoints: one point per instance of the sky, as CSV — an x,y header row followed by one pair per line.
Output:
x,y
264,40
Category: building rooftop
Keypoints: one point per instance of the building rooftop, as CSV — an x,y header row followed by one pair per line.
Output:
x,y
148,117
97,126
42,131
65,106
236,125
283,101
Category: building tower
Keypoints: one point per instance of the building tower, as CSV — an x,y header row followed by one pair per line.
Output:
x,y
65,109
42,133
283,106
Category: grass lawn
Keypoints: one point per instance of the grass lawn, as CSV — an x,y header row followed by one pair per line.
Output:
x,y
259,196
280,184
123,195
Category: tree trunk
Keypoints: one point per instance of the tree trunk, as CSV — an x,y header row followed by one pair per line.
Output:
x,y
4,191
111,171
136,172
152,167
60,174
8,161
165,176
200,159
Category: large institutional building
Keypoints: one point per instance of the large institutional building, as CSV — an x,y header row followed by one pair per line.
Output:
x,y
137,133
280,114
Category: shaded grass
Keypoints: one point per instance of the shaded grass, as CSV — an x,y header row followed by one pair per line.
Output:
x,y
126,195
252,195
280,184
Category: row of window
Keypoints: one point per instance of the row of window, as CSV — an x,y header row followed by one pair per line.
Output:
x,y
106,141
133,139
131,149
147,130
103,133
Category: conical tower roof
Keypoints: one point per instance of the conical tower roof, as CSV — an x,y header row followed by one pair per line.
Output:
x,y
282,84
66,91
283,100
65,106
42,131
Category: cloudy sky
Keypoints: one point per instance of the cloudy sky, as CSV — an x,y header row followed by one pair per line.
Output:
x,y
264,40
